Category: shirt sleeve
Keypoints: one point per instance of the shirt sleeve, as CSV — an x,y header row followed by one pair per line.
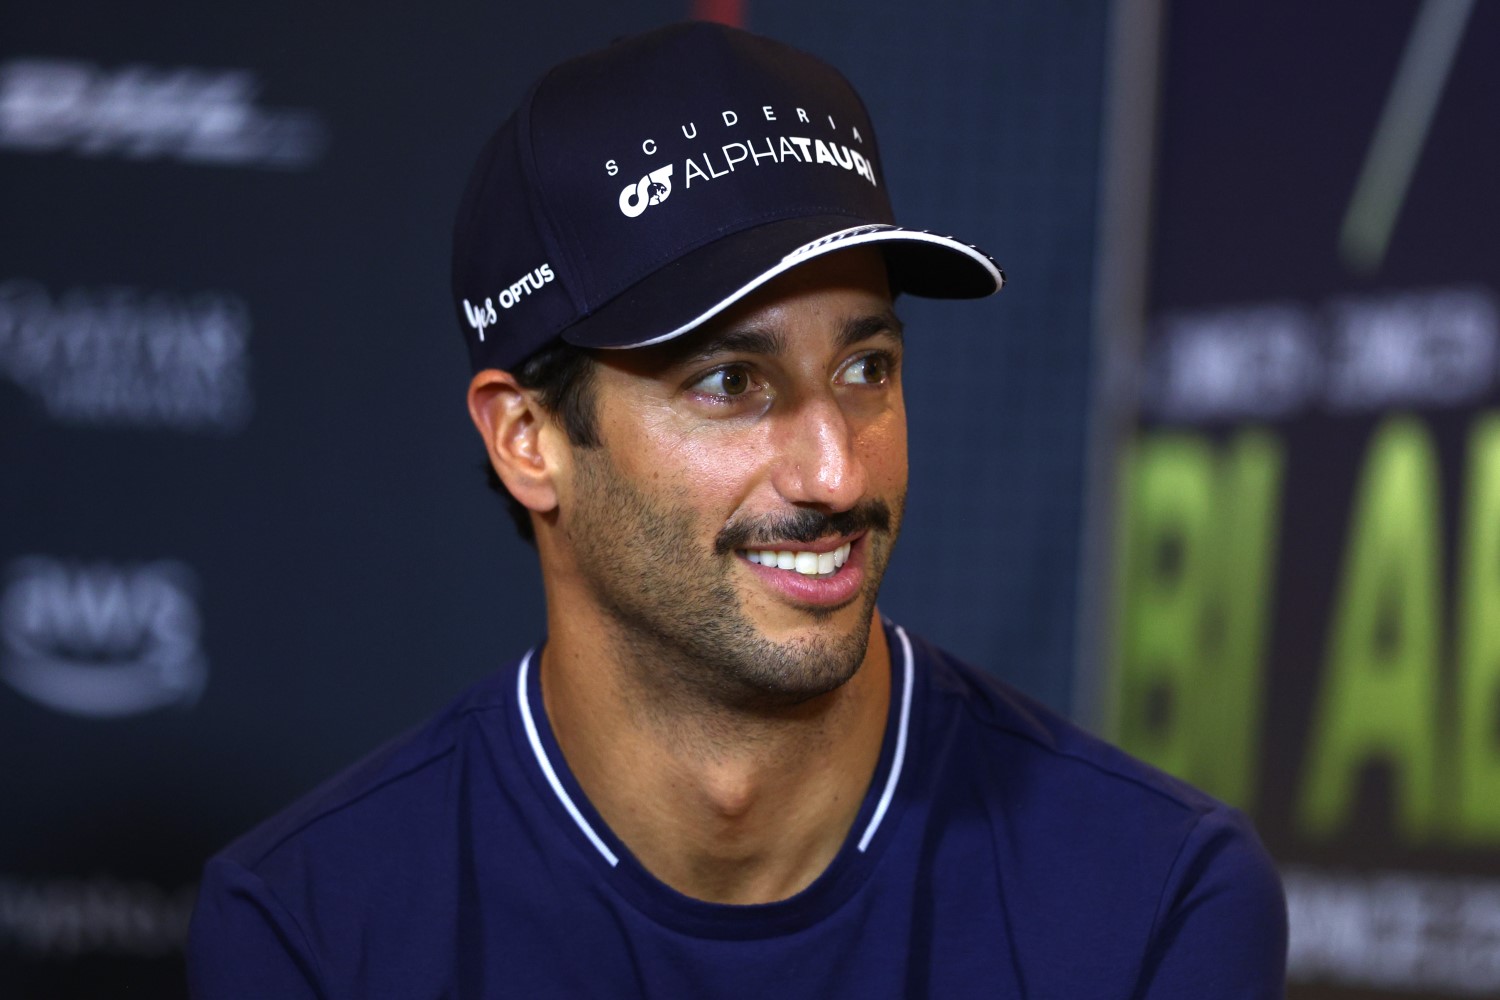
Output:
x,y
1221,927
244,944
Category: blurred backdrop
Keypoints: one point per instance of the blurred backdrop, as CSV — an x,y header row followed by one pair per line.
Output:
x,y
1217,473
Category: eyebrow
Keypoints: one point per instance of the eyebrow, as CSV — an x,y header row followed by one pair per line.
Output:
x,y
772,341
865,327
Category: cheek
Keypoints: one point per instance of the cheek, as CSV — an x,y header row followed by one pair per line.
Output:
x,y
719,471
709,468
882,447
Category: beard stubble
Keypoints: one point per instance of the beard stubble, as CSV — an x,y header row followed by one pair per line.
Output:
x,y
680,618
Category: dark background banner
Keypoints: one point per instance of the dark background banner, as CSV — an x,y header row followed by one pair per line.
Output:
x,y
1310,533
244,537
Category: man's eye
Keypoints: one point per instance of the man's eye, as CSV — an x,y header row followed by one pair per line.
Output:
x,y
729,382
872,369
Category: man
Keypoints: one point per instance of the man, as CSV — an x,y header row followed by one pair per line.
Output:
x,y
722,773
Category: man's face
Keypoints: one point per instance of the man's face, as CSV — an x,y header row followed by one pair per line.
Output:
x,y
780,428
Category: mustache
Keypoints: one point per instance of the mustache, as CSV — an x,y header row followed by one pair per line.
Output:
x,y
804,525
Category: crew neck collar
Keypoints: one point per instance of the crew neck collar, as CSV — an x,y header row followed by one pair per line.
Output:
x,y
878,815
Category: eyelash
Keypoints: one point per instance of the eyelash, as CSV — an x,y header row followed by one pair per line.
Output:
x,y
887,358
723,398
884,357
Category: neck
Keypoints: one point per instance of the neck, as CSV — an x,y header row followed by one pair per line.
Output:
x,y
733,802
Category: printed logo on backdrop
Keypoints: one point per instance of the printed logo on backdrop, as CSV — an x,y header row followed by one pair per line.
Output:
x,y
64,918
192,115
101,640
1411,932
1400,748
1351,355
128,357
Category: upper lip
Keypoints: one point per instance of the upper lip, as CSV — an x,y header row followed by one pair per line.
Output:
x,y
820,546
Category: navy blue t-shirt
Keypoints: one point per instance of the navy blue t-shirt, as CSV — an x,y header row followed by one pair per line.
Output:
x,y
1000,852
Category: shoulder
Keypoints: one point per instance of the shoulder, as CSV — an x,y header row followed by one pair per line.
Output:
x,y
1026,735
367,861
1104,845
378,798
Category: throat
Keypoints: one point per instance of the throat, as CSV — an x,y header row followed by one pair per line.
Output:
x,y
745,839
721,804
748,817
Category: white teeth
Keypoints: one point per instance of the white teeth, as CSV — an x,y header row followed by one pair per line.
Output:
x,y
806,563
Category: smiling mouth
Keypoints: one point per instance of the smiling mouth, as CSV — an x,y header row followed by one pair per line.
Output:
x,y
806,563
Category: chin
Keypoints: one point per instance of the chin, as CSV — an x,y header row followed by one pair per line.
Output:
x,y
808,661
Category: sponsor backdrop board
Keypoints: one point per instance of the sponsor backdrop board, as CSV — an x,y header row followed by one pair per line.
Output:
x,y
1310,530
245,535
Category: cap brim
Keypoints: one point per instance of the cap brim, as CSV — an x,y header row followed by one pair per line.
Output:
x,y
699,285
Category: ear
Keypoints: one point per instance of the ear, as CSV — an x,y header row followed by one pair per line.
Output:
x,y
519,436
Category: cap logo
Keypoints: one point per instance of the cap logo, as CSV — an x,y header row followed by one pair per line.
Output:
x,y
707,164
483,315
758,146
653,189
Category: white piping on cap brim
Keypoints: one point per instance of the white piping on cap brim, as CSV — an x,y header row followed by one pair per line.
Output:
x,y
840,240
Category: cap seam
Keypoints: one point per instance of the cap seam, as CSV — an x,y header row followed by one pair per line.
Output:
x,y
540,217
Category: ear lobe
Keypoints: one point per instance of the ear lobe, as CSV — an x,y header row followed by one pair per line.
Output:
x,y
512,424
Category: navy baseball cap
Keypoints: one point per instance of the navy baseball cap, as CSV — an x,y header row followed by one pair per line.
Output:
x,y
640,190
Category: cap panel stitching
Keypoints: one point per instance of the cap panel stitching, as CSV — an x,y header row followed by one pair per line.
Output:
x,y
537,203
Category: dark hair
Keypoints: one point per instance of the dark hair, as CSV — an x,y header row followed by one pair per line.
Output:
x,y
562,376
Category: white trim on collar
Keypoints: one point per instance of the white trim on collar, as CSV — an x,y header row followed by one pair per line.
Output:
x,y
541,758
898,759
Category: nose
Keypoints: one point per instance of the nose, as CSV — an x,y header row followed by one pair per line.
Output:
x,y
819,463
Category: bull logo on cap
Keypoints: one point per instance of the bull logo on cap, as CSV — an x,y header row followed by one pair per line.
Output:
x,y
652,189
